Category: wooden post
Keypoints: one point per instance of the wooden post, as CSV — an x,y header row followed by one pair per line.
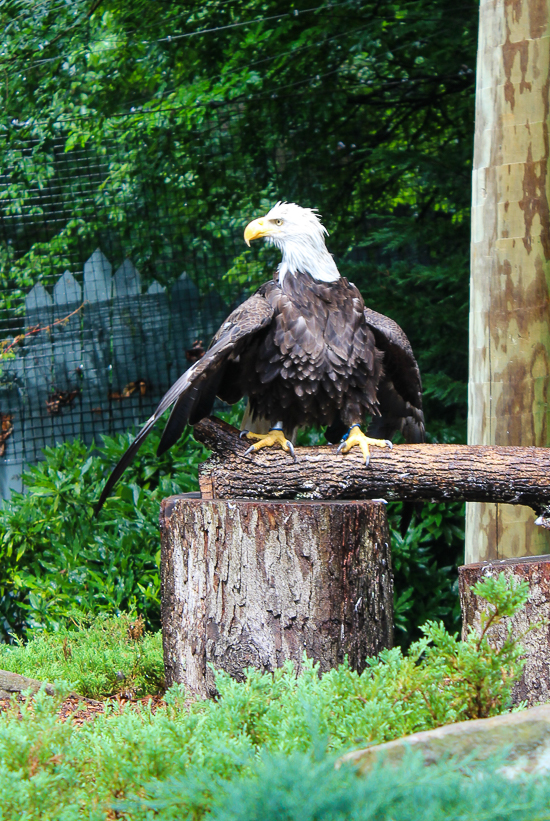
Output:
x,y
509,315
534,684
254,584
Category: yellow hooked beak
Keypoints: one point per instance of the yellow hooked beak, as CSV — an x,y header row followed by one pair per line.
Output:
x,y
258,228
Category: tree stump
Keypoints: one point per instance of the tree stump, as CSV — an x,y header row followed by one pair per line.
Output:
x,y
534,684
254,584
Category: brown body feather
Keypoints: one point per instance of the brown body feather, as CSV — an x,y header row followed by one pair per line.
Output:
x,y
305,353
316,362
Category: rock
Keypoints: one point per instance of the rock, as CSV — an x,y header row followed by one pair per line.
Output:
x,y
523,737
11,683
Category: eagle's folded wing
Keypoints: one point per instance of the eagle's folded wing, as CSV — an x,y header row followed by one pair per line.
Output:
x,y
195,390
400,389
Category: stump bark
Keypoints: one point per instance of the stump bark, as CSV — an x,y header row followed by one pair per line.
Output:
x,y
254,584
534,684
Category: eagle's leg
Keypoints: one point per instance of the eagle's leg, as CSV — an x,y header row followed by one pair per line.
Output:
x,y
267,440
355,436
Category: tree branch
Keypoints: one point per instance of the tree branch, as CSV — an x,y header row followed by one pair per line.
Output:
x,y
510,475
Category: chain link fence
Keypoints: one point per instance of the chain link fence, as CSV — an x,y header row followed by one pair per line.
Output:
x,y
120,257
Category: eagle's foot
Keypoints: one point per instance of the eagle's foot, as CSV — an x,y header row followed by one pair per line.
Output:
x,y
355,436
268,440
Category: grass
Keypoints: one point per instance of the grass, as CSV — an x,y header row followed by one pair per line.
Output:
x,y
266,747
98,659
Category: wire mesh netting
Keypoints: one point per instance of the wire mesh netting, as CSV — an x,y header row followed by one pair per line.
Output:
x,y
115,270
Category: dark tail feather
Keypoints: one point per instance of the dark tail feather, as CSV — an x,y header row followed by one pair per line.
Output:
x,y
126,459
192,406
407,511
205,401
177,420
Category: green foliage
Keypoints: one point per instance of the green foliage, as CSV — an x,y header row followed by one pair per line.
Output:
x,y
425,561
506,597
308,787
158,129
99,658
58,560
268,743
59,563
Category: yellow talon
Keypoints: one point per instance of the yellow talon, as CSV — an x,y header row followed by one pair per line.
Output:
x,y
268,440
357,437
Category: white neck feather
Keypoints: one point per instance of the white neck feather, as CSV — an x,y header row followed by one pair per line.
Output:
x,y
307,255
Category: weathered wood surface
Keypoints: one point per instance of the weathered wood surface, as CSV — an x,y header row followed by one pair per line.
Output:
x,y
519,476
11,683
509,304
248,584
534,684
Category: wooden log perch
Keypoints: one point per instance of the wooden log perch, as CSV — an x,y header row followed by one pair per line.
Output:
x,y
511,475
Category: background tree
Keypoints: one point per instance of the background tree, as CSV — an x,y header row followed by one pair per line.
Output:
x,y
157,130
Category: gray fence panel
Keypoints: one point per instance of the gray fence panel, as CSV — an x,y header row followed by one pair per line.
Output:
x,y
128,380
37,360
96,341
185,322
158,352
66,402
104,356
11,404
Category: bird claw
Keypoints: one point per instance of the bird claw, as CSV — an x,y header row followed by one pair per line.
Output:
x,y
274,437
356,438
243,433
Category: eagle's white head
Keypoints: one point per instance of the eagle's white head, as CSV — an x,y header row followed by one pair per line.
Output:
x,y
300,235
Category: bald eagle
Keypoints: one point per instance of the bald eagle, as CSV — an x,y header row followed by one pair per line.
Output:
x,y
305,351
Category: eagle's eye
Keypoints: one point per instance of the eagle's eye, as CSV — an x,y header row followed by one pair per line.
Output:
x,y
278,222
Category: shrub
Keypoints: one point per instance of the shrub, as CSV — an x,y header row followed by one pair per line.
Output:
x,y
98,658
57,559
266,747
439,680
303,787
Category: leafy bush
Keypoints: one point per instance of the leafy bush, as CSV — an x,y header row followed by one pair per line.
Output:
x,y
57,559
58,562
98,658
266,747
439,680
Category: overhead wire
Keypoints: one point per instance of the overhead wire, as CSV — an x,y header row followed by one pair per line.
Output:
x,y
185,35
142,108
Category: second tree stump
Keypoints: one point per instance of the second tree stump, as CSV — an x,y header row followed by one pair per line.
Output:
x,y
253,584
